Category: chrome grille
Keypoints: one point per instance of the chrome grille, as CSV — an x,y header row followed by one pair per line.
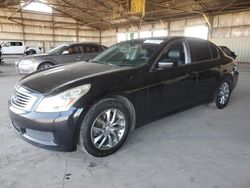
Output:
x,y
22,98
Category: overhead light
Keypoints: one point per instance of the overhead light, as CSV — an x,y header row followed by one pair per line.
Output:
x,y
37,7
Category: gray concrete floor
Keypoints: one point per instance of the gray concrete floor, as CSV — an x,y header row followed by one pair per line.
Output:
x,y
201,147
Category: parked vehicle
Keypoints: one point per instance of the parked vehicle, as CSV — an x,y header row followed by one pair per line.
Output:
x,y
17,47
228,52
97,104
66,53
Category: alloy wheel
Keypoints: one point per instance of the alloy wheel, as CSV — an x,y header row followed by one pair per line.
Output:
x,y
108,129
45,66
224,92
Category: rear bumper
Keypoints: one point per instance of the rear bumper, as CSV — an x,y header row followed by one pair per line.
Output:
x,y
236,78
55,131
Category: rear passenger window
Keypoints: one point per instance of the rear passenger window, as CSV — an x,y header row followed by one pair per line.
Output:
x,y
199,50
73,50
94,49
214,51
18,44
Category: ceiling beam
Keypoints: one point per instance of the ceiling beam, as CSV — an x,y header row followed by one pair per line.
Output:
x,y
85,12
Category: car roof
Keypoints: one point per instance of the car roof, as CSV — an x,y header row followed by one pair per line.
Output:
x,y
165,39
84,43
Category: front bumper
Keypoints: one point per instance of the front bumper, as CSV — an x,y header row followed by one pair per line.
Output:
x,y
56,131
23,71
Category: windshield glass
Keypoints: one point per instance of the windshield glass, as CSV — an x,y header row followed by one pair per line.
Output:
x,y
130,53
57,49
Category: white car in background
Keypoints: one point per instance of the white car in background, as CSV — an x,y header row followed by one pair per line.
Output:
x,y
18,47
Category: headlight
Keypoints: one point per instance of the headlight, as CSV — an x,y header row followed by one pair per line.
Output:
x,y
27,64
62,101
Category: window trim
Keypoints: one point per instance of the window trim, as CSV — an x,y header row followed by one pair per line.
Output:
x,y
206,60
216,47
166,47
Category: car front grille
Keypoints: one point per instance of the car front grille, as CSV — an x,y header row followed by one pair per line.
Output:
x,y
22,98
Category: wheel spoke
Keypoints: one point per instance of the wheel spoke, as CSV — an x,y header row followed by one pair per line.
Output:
x,y
96,139
100,121
113,117
117,122
108,115
110,141
102,142
98,129
116,138
118,128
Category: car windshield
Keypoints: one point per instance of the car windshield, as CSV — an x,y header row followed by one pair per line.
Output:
x,y
57,49
131,53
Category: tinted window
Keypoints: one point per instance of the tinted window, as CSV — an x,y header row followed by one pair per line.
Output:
x,y
18,44
175,53
87,49
199,50
74,50
94,49
214,51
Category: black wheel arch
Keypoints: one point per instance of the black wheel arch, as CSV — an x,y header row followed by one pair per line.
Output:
x,y
45,62
229,77
121,98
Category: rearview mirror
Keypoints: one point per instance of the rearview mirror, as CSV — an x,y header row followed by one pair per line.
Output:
x,y
165,65
65,52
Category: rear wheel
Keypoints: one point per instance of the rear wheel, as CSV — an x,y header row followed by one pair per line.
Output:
x,y
222,94
45,65
105,128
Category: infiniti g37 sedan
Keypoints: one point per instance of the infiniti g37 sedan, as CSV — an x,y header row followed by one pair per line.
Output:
x,y
63,54
97,104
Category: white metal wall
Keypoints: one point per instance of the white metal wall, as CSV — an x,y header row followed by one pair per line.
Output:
x,y
240,45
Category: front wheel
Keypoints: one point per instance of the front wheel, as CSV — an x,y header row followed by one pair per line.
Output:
x,y
45,66
105,128
222,94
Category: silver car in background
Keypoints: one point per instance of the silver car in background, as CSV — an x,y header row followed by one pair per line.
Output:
x,y
63,54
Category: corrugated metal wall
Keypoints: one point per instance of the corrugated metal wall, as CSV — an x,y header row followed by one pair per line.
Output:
x,y
44,30
240,45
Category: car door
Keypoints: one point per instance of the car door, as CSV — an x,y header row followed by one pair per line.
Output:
x,y
205,57
70,54
19,47
172,87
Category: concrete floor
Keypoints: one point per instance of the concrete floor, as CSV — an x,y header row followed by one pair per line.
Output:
x,y
202,147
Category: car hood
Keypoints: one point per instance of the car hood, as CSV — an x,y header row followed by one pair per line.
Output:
x,y
35,56
50,80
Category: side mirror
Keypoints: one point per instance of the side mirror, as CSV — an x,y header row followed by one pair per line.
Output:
x,y
165,65
65,52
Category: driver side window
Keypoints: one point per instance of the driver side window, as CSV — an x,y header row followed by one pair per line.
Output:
x,y
175,53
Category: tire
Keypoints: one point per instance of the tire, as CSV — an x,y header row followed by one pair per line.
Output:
x,y
45,66
100,137
223,93
30,52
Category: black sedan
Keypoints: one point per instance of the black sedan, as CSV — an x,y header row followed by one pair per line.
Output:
x,y
97,104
